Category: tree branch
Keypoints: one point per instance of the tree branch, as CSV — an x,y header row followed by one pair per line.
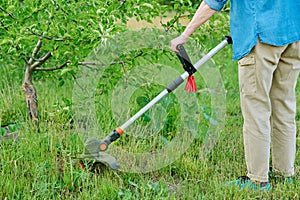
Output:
x,y
53,68
175,18
46,37
11,15
88,64
139,54
38,47
35,50
75,79
3,25
41,61
35,11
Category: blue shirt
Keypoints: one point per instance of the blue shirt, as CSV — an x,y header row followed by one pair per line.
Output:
x,y
274,22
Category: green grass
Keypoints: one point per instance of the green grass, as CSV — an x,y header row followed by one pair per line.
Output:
x,y
41,165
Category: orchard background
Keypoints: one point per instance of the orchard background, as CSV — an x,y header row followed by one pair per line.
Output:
x,y
44,43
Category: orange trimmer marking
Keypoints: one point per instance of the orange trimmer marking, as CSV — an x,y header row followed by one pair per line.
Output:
x,y
119,131
103,147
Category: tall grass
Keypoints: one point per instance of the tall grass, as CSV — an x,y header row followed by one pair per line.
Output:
x,y
42,165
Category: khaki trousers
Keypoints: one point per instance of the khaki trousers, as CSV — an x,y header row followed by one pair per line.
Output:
x,y
267,80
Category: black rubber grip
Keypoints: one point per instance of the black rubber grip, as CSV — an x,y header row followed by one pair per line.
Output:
x,y
229,39
175,84
183,53
111,137
185,60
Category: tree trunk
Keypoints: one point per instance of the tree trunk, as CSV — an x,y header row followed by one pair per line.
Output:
x,y
29,90
30,95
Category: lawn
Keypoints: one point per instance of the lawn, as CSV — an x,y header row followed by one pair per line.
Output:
x,y
43,164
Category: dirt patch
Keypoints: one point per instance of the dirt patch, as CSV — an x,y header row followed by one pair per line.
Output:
x,y
157,22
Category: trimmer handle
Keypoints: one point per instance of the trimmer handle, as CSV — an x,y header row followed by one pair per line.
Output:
x,y
182,53
185,60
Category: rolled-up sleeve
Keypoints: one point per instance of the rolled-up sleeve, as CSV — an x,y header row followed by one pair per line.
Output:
x,y
216,4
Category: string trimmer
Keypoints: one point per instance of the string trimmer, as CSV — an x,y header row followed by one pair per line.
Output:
x,y
95,149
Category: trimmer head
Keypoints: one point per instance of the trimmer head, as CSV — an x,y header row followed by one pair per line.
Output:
x,y
93,152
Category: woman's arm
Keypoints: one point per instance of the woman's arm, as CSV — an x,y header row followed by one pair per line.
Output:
x,y
203,13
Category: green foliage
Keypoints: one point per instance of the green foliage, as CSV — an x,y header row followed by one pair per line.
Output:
x,y
71,28
43,165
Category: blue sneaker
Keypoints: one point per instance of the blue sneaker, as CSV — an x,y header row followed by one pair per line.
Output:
x,y
277,178
244,182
